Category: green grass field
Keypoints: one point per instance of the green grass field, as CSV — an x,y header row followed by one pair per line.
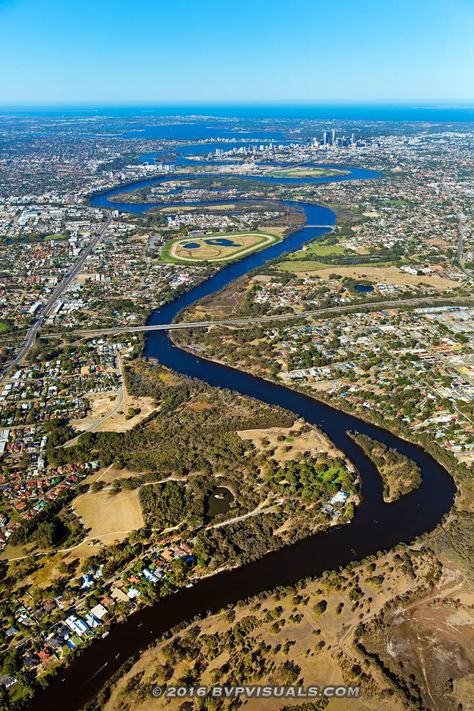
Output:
x,y
323,250
317,248
209,250
395,203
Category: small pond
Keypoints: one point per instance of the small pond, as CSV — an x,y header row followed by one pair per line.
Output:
x,y
222,242
364,288
219,501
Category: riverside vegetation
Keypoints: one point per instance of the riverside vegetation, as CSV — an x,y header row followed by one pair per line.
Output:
x,y
175,458
337,629
180,453
400,475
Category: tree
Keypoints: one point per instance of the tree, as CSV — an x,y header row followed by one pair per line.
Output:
x,y
48,533
320,607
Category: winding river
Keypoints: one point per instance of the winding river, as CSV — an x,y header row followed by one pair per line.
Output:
x,y
376,525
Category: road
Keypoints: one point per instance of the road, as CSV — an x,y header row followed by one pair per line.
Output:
x,y
46,309
116,407
329,311
460,225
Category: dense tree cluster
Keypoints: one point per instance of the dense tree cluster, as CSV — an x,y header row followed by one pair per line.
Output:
x,y
400,475
164,505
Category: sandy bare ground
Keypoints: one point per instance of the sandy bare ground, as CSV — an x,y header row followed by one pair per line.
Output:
x,y
290,441
433,637
100,405
110,517
109,412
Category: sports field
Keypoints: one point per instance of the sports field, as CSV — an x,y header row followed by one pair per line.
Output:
x,y
218,247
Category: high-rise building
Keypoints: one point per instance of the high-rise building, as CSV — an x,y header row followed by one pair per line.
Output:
x,y
333,137
325,138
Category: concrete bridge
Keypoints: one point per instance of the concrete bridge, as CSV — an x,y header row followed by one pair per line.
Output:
x,y
247,320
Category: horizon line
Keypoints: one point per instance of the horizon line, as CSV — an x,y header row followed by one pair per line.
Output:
x,y
428,103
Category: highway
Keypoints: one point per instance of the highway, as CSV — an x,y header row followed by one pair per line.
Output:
x,y
46,309
328,311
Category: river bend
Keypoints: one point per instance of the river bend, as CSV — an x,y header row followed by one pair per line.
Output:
x,y
376,524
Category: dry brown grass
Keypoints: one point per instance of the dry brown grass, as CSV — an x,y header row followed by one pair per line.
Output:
x,y
110,517
380,275
107,414
296,440
432,636
321,666
244,244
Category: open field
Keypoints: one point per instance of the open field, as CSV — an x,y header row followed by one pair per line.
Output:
x,y
304,267
109,475
384,274
324,250
305,172
114,412
109,516
431,637
282,638
289,442
11,552
55,237
217,247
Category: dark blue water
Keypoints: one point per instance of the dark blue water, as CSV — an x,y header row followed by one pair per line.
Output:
x,y
106,199
376,525
219,502
223,242
363,288
219,241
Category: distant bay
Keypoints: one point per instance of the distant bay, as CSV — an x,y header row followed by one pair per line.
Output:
x,y
433,113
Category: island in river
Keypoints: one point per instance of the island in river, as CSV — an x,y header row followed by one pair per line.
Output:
x,y
375,525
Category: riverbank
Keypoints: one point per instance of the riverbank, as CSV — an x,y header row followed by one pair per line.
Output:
x,y
375,526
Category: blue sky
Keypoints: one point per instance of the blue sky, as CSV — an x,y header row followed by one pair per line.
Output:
x,y
170,51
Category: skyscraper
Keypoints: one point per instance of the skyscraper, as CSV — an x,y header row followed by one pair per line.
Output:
x,y
325,138
333,137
